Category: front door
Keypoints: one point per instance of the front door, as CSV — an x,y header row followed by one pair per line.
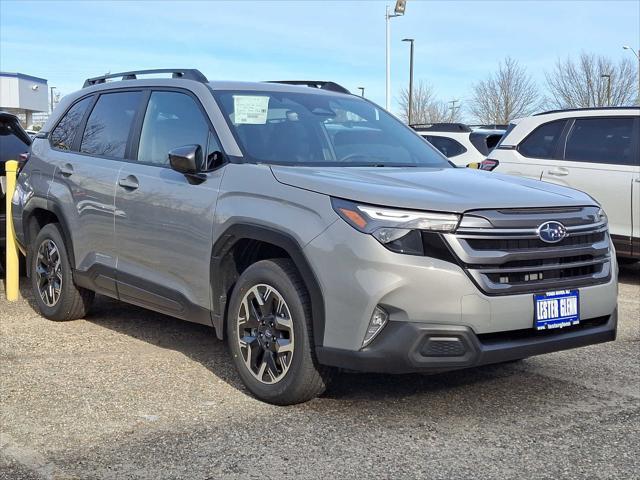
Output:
x,y
164,219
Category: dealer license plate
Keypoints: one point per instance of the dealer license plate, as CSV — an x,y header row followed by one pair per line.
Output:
x,y
557,309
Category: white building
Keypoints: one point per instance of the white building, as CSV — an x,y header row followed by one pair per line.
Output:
x,y
23,95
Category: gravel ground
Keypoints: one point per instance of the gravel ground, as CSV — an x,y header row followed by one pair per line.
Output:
x,y
127,393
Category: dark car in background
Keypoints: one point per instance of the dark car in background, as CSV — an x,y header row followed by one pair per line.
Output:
x,y
15,143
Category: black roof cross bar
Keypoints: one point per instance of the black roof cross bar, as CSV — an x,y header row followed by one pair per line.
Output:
x,y
186,73
321,84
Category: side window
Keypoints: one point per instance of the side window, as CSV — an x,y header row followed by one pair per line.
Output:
x,y
108,126
601,140
64,133
542,142
449,147
172,120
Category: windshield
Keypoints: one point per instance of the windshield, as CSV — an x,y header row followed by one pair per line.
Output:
x,y
314,129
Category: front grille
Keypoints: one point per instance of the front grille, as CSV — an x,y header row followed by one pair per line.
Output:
x,y
527,243
501,251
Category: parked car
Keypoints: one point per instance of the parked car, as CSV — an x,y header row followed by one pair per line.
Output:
x,y
14,145
309,227
594,150
461,143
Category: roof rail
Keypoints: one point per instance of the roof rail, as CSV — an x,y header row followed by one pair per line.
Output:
x,y
441,127
585,108
490,126
187,73
323,85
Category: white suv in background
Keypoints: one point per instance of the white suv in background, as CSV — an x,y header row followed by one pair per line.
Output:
x,y
460,143
595,150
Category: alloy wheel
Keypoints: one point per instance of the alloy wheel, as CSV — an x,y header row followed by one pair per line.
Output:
x,y
49,272
265,333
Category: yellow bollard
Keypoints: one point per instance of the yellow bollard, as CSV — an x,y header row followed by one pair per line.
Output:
x,y
11,272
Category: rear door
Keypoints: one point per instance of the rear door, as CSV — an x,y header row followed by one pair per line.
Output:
x,y
164,219
87,165
537,152
599,157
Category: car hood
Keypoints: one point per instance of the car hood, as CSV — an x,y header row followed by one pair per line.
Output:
x,y
439,189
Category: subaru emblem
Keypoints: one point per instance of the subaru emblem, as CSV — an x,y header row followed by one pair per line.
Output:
x,y
552,232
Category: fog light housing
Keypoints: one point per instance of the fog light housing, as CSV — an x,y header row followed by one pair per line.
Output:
x,y
378,320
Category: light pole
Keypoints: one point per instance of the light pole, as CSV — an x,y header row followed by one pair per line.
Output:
x,y
51,90
398,12
411,41
361,91
608,77
637,54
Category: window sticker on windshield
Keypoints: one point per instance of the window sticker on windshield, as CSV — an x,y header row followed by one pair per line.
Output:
x,y
250,109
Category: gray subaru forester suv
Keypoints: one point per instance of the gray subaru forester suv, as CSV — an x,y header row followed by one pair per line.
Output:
x,y
308,227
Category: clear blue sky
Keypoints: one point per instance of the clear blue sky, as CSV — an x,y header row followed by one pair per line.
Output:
x,y
457,43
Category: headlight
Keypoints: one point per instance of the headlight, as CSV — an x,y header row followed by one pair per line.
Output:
x,y
602,216
398,230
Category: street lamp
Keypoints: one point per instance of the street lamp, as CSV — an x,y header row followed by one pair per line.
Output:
x,y
52,89
411,41
637,54
361,91
398,12
608,77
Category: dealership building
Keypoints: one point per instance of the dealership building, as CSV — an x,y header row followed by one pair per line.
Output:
x,y
23,95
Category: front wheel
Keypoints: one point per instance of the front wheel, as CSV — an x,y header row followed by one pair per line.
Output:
x,y
270,336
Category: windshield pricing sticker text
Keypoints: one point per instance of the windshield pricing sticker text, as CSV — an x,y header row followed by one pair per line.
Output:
x,y
250,109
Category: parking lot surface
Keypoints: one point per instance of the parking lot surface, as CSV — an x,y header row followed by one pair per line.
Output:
x,y
128,393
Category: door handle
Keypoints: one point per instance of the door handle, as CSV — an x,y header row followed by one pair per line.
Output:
x,y
129,182
637,180
66,170
558,172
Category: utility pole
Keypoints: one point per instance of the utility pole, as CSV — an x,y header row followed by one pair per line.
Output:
x,y
51,90
608,77
410,117
398,12
453,109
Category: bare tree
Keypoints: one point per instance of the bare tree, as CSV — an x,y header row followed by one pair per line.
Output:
x,y
507,94
584,82
426,108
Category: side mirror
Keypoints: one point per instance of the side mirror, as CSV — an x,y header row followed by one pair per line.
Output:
x,y
186,159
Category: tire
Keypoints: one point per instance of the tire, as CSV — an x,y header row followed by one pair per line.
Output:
x,y
285,319
71,302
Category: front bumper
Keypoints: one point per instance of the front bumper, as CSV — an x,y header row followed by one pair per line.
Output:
x,y
409,347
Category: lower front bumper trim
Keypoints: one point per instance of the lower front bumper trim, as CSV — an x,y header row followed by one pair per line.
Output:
x,y
407,347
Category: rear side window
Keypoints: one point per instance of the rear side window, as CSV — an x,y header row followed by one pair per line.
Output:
x,y
601,140
172,120
63,135
542,142
108,126
449,147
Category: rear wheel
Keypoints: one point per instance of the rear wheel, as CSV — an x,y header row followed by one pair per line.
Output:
x,y
270,336
58,298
